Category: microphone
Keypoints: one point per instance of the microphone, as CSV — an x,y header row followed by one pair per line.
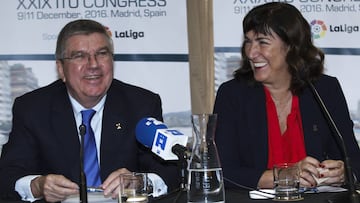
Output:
x,y
353,195
168,144
83,185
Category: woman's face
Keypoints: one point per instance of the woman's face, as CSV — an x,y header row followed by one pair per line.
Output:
x,y
267,56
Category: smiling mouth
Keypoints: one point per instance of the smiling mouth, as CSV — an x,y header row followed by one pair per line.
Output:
x,y
92,77
259,65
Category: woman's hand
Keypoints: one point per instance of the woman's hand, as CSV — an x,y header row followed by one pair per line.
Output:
x,y
335,175
314,173
308,169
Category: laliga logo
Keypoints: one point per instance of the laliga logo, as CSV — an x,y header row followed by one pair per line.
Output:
x,y
318,29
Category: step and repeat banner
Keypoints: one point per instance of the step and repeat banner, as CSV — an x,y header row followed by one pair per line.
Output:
x,y
150,38
335,28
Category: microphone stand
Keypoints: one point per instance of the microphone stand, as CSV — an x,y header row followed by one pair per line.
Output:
x,y
83,187
181,152
353,195
183,155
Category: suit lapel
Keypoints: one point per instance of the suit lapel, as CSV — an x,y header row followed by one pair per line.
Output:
x,y
115,131
311,118
114,124
65,130
63,122
258,124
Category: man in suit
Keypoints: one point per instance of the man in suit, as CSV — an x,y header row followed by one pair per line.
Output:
x,y
41,159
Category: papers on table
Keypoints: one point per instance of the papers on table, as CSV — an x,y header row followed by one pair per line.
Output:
x,y
262,194
269,193
93,197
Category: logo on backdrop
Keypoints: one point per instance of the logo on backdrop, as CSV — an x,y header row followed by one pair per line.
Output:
x,y
318,29
126,33
341,28
132,34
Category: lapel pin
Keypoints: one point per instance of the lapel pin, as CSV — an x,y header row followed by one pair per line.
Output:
x,y
118,126
315,128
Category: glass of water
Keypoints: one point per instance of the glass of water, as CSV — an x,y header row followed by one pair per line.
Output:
x,y
287,182
134,188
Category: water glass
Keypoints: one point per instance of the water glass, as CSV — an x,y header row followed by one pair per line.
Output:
x,y
134,188
287,182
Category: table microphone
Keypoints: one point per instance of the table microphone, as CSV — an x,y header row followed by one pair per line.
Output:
x,y
353,195
83,187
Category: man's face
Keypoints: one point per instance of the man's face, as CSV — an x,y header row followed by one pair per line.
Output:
x,y
87,68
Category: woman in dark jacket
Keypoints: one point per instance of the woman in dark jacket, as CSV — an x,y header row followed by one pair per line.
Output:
x,y
268,115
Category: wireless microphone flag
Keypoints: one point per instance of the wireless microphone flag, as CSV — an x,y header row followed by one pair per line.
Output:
x,y
165,140
155,135
146,130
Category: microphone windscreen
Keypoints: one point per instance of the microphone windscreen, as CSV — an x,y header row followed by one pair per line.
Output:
x,y
146,130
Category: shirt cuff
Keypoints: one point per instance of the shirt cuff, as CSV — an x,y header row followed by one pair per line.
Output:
x,y
159,186
22,186
3,140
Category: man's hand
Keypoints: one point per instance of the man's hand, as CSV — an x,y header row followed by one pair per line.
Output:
x,y
53,188
111,185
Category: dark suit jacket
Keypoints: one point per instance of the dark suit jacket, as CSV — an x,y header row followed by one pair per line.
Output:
x,y
242,137
44,137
